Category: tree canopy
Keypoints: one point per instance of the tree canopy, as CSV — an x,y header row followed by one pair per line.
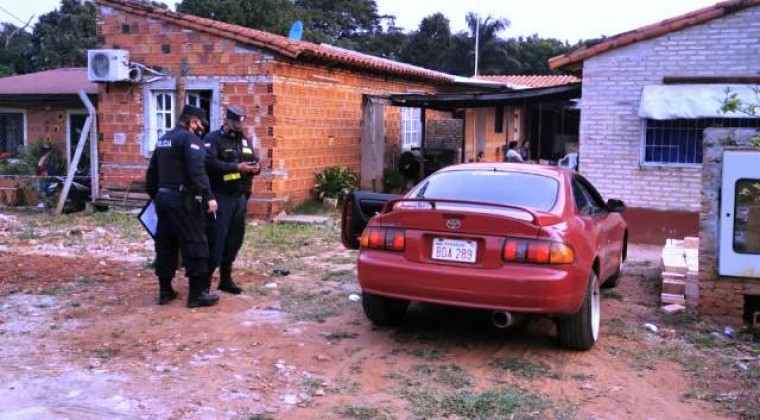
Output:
x,y
62,37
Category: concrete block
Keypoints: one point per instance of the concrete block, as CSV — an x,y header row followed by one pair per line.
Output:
x,y
673,308
673,287
669,298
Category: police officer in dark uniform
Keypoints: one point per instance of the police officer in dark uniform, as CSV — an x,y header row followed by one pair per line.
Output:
x,y
177,182
231,164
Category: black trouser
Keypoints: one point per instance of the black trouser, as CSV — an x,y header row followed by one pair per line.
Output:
x,y
226,231
181,226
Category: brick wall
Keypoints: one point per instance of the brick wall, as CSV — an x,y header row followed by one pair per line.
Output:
x,y
719,295
305,116
48,124
611,131
444,134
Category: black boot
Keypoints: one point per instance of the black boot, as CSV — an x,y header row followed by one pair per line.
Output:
x,y
166,293
225,281
198,296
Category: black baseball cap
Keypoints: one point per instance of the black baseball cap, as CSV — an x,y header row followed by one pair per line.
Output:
x,y
194,111
235,117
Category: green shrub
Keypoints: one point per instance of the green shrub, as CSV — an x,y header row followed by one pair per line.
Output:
x,y
334,182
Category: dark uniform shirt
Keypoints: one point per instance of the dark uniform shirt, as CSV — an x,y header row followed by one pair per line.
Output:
x,y
223,154
178,164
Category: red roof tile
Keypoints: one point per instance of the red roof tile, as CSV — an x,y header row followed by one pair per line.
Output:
x,y
56,82
532,81
290,48
677,23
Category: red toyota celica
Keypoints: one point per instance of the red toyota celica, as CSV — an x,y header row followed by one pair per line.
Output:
x,y
514,239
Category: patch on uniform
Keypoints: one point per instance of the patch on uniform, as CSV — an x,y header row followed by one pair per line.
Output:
x,y
247,151
231,177
206,145
195,146
245,143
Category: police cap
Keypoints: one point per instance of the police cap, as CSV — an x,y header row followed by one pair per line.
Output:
x,y
194,111
235,117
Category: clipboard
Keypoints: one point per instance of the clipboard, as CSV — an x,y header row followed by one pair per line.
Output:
x,y
149,219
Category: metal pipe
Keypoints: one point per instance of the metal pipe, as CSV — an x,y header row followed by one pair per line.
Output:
x,y
502,319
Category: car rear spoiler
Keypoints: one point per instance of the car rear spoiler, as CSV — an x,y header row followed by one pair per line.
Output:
x,y
390,205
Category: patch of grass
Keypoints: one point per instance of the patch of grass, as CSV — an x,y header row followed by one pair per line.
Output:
x,y
611,294
288,240
28,232
450,375
337,336
125,225
106,353
258,289
306,305
582,377
429,353
490,404
340,276
364,412
312,207
524,367
341,260
619,328
312,383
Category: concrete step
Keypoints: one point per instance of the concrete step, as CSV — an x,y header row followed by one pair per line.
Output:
x,y
675,287
673,298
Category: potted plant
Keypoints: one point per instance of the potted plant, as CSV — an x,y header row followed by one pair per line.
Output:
x,y
334,183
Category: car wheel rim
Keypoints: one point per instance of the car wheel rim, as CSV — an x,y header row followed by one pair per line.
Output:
x,y
595,308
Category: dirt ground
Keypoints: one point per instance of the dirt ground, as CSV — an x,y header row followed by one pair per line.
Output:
x,y
81,336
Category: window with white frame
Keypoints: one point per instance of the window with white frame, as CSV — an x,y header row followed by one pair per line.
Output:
x,y
161,115
679,142
411,128
11,133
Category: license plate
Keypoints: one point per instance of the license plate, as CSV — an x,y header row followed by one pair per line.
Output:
x,y
454,250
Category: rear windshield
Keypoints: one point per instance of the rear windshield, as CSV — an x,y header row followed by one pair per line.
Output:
x,y
536,192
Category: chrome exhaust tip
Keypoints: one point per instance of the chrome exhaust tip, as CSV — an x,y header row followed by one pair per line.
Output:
x,y
502,319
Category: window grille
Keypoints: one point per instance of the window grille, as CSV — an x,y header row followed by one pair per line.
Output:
x,y
680,141
11,132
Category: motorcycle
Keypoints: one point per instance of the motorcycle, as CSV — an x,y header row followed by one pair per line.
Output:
x,y
79,192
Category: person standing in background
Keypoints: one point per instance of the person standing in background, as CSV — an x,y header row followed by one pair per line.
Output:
x,y
231,164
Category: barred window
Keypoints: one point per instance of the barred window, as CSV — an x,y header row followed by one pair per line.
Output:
x,y
11,133
680,141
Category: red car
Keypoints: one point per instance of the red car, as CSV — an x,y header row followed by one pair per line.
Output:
x,y
511,238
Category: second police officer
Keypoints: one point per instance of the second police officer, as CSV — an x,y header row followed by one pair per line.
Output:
x,y
231,164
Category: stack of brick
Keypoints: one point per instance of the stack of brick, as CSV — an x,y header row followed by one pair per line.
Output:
x,y
680,271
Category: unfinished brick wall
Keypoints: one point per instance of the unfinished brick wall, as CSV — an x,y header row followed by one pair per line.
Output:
x,y
48,124
719,295
305,116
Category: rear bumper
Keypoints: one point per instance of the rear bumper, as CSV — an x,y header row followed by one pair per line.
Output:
x,y
555,290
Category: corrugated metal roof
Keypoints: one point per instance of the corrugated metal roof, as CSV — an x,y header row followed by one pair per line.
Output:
x,y
50,82
677,23
532,81
294,49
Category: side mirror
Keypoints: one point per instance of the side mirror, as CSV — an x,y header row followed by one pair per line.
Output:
x,y
615,206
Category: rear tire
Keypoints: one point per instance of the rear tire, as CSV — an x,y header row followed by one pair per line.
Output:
x,y
581,330
612,282
383,310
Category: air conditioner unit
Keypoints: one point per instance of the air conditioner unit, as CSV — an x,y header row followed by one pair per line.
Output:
x,y
107,65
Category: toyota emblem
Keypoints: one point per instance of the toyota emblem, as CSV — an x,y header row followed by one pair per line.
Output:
x,y
453,224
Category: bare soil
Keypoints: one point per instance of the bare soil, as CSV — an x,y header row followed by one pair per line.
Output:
x,y
82,336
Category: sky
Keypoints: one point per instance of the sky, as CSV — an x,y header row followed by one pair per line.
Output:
x,y
566,20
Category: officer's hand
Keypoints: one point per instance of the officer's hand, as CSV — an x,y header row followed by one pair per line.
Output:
x,y
246,167
212,206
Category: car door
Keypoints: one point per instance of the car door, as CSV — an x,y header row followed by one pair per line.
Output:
x,y
358,208
593,210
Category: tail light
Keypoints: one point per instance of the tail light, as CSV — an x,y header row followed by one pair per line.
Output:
x,y
383,238
537,251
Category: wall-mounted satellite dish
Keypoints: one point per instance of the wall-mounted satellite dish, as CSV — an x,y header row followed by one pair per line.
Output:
x,y
296,31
